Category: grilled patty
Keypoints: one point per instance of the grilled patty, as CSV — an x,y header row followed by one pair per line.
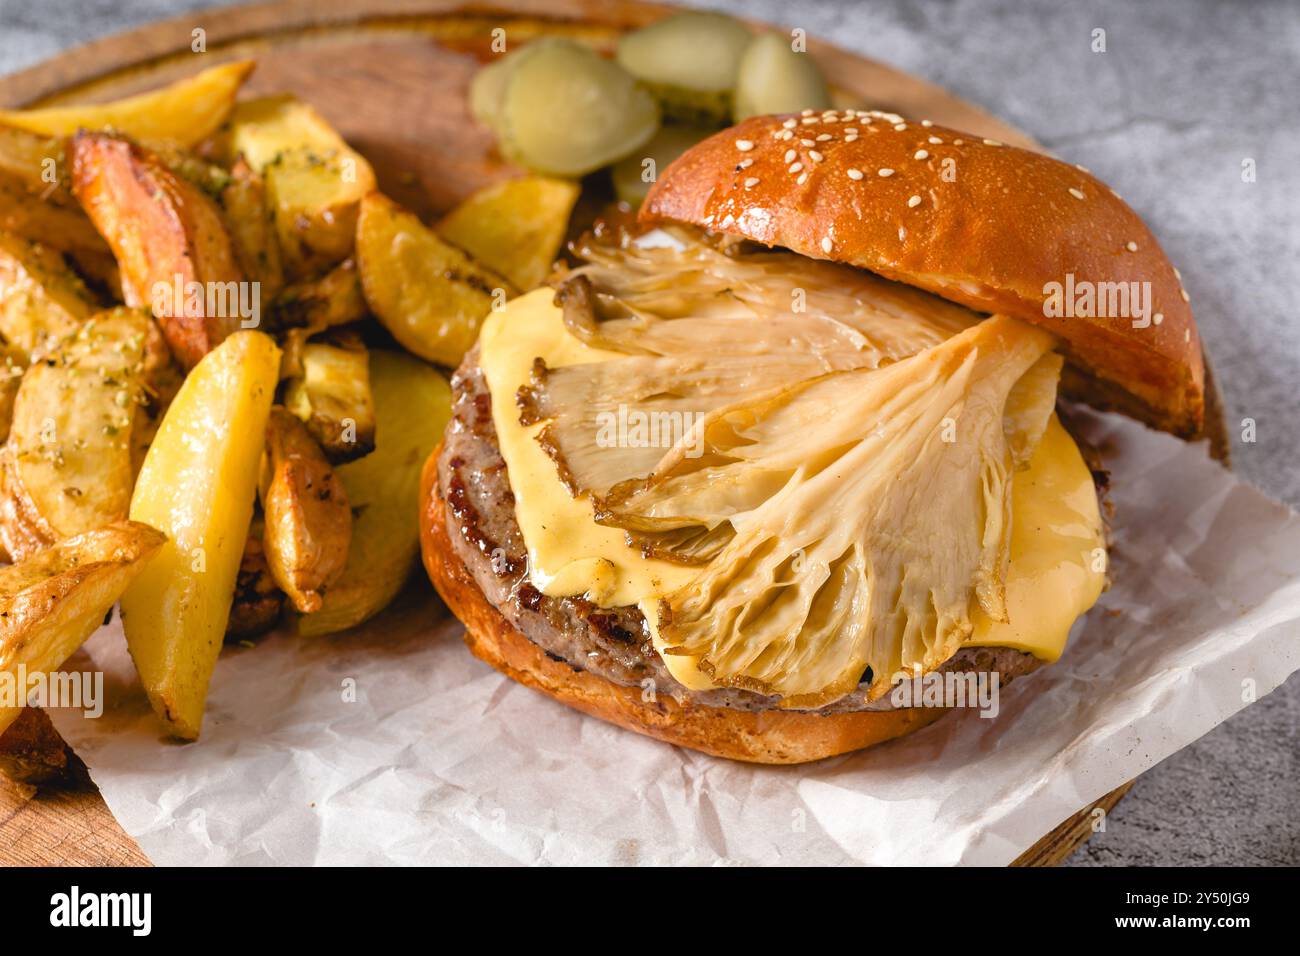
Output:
x,y
612,643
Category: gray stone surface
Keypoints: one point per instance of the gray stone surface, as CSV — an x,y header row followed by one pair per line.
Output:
x,y
1184,93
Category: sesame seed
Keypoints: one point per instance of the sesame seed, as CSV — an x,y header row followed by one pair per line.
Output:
x,y
751,182
815,156
855,174
1178,275
803,178
830,119
851,138
790,123
991,142
1158,318
807,142
790,154
853,130
827,245
901,127
806,112
744,145
1076,193
921,154
824,137
745,164
1183,293
795,167
935,141
902,233
1187,335
958,142
1083,169
809,120
914,202
926,123
885,173
787,135
1131,246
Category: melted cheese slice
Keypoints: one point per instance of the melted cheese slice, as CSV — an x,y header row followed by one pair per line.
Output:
x,y
1058,555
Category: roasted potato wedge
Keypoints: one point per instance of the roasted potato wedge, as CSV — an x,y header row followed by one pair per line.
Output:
x,y
31,750
425,291
257,247
515,228
185,112
308,520
55,599
41,299
169,239
332,398
12,365
412,405
66,467
314,180
36,162
332,300
258,602
198,484
65,228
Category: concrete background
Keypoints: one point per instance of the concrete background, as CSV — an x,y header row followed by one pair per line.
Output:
x,y
1186,90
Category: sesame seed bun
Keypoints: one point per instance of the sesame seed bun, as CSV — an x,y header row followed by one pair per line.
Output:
x,y
994,227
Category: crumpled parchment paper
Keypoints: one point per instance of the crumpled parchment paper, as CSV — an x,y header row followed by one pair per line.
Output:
x,y
394,745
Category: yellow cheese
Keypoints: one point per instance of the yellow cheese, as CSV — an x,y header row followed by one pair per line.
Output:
x,y
1058,554
1057,551
568,553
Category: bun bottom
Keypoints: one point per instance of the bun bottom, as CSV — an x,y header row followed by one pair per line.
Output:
x,y
769,737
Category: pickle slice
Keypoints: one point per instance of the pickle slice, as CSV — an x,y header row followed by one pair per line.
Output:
x,y
630,175
773,78
487,91
568,111
689,61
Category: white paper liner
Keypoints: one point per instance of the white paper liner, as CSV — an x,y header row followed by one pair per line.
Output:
x,y
441,760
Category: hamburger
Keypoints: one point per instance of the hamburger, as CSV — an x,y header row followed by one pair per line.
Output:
x,y
799,437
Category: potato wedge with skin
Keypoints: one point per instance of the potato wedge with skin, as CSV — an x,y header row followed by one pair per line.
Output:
x,y
65,228
332,398
332,300
66,467
169,239
52,601
425,291
412,405
187,111
12,365
41,299
314,179
258,602
197,484
252,230
308,520
31,750
515,228
37,162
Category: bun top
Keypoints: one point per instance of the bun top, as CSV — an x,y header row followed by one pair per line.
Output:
x,y
994,227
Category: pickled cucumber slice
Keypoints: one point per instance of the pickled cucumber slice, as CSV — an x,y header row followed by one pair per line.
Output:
x,y
634,176
487,91
773,78
689,61
568,111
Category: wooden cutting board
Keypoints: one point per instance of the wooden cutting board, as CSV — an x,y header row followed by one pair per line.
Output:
x,y
392,76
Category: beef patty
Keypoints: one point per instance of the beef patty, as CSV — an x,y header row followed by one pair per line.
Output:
x,y
612,643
